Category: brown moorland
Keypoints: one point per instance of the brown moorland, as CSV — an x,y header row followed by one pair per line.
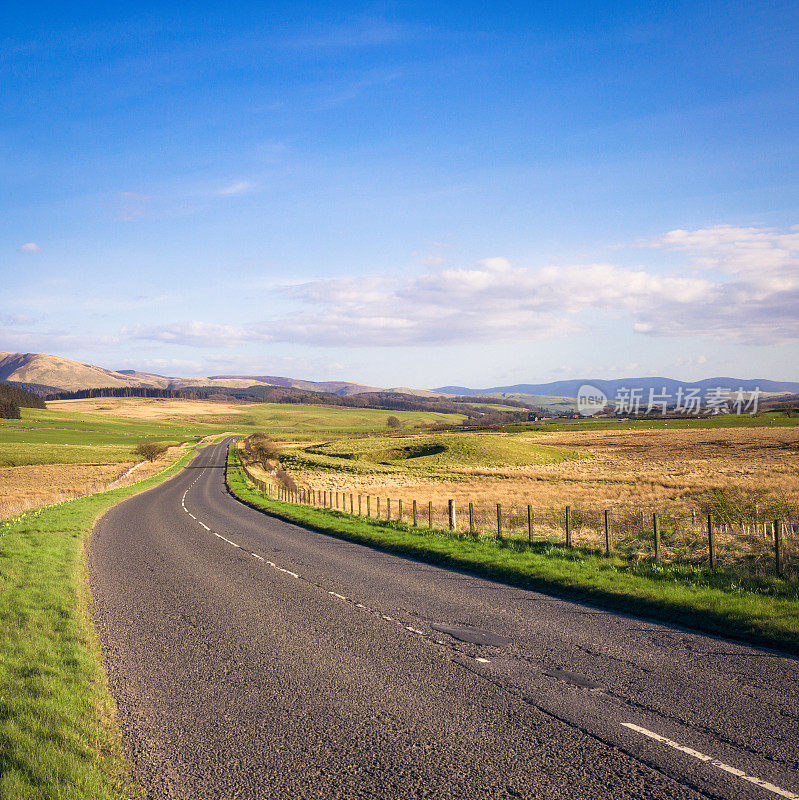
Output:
x,y
639,469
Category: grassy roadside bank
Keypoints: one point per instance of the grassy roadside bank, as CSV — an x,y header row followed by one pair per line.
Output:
x,y
763,611
58,737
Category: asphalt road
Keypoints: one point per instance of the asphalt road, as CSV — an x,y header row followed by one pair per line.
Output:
x,y
253,658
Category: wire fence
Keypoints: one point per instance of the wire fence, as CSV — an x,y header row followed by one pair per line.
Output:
x,y
753,541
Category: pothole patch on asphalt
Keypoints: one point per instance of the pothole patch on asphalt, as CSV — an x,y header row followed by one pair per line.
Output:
x,y
572,678
465,633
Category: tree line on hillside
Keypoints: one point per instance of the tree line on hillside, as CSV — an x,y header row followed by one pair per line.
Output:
x,y
128,391
389,401
13,398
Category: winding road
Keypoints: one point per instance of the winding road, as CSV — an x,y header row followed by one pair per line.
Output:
x,y
251,658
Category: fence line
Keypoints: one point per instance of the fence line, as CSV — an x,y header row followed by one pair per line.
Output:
x,y
761,545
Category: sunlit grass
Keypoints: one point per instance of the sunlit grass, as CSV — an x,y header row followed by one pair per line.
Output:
x,y
58,737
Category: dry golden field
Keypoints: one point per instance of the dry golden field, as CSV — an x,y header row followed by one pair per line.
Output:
x,y
150,408
744,477
636,469
31,486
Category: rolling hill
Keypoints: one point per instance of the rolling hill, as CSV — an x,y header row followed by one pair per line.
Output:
x,y
62,374
48,373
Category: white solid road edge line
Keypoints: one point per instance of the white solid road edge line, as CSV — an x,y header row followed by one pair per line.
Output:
x,y
713,762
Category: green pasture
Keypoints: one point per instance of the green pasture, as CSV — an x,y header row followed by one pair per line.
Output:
x,y
765,420
299,421
80,437
441,451
57,437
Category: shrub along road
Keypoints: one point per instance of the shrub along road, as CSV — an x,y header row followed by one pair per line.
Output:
x,y
254,658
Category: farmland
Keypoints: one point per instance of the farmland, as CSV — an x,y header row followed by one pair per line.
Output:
x,y
630,468
520,481
77,447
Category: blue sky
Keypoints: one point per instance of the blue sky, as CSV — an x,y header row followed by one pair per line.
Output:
x,y
403,193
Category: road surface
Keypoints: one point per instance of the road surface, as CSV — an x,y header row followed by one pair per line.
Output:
x,y
251,658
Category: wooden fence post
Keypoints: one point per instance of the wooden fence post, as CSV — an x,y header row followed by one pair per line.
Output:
x,y
414,514
399,510
568,526
607,532
711,541
359,505
368,506
388,508
529,523
471,518
430,514
352,504
378,506
778,548
656,529
499,520
451,515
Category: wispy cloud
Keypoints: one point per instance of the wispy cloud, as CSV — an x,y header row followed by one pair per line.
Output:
x,y
195,334
238,187
59,342
29,247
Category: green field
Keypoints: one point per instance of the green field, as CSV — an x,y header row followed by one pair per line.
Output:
x,y
443,450
300,421
67,437
766,419
58,437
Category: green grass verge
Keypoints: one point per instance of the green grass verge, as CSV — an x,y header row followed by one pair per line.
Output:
x,y
58,737
763,611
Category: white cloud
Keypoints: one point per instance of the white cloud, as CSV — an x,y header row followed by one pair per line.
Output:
x,y
690,361
738,284
756,296
29,247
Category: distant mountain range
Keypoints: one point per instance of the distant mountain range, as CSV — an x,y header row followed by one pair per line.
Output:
x,y
610,387
53,373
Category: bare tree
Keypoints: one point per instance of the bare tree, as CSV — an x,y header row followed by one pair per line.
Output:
x,y
150,450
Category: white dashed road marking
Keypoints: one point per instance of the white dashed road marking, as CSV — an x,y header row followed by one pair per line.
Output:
x,y
656,736
713,762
